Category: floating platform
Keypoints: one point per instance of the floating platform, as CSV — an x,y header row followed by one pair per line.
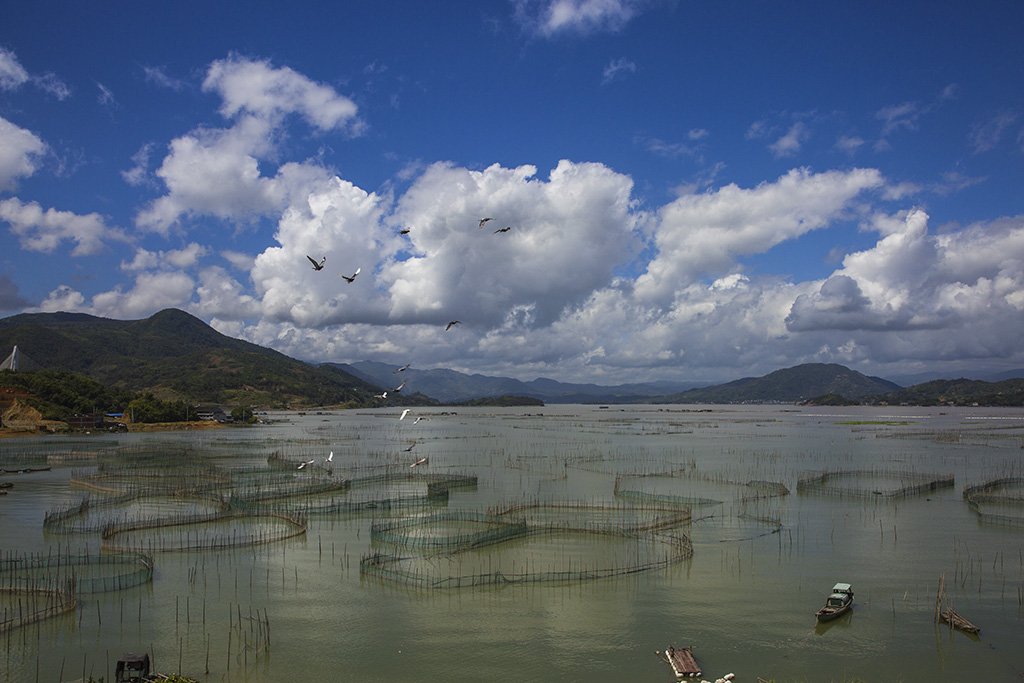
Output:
x,y
682,662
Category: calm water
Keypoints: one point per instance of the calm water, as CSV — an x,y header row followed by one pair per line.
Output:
x,y
745,601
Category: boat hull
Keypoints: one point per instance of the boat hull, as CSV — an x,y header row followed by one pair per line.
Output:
x,y
829,614
958,622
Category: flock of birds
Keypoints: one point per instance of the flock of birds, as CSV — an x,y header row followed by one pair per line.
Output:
x,y
328,459
318,266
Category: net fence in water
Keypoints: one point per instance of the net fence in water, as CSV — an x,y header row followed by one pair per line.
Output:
x,y
202,532
881,483
181,480
349,496
36,586
998,501
528,543
678,489
174,499
93,514
436,495
90,573
35,605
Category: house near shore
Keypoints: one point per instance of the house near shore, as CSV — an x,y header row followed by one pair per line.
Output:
x,y
85,421
90,421
210,412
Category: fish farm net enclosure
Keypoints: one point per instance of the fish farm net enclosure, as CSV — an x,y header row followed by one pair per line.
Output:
x,y
558,543
529,543
868,483
999,501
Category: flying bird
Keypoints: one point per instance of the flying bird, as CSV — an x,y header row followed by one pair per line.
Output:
x,y
330,457
484,220
398,388
384,395
452,324
404,367
350,279
404,231
505,229
404,413
411,446
417,419
304,464
317,266
418,462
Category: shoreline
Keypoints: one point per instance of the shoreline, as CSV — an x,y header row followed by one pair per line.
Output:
x,y
15,432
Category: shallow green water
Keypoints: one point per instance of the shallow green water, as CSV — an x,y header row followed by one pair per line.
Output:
x,y
745,600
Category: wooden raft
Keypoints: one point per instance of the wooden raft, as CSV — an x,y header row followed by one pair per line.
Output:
x,y
682,662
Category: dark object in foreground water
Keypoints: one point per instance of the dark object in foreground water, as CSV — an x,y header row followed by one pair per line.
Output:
x,y
958,622
132,667
682,662
837,604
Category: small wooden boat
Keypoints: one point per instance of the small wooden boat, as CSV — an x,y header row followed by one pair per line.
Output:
x,y
682,662
948,615
839,602
958,622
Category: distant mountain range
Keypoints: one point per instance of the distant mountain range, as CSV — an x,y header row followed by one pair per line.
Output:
x,y
791,385
956,392
449,385
977,374
176,356
807,382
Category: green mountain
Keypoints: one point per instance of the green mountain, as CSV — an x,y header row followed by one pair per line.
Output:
x,y
176,356
790,385
956,392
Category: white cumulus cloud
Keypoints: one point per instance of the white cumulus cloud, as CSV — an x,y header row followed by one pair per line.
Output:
x,y
216,171
258,88
704,234
567,233
151,292
20,150
336,220
64,298
44,230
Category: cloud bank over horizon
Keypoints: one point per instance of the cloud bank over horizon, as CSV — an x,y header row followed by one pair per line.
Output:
x,y
584,272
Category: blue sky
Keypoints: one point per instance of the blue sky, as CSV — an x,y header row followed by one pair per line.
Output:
x,y
693,190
